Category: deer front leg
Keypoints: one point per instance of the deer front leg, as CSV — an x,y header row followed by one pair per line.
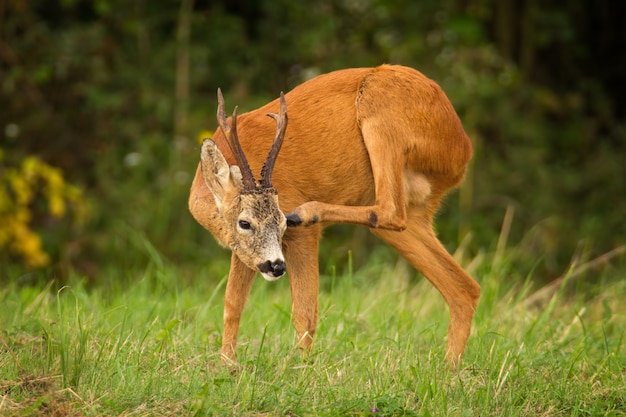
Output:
x,y
240,280
300,249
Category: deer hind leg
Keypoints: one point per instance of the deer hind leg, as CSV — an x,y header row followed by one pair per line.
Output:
x,y
301,254
240,280
387,161
419,245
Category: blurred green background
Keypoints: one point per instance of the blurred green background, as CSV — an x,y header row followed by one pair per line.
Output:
x,y
103,102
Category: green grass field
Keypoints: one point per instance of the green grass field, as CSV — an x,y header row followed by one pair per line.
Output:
x,y
146,344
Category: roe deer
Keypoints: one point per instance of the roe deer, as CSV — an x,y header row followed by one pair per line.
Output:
x,y
377,147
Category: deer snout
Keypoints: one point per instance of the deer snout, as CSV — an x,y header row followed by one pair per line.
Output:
x,y
272,270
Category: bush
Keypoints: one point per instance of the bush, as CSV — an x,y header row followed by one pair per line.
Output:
x,y
33,193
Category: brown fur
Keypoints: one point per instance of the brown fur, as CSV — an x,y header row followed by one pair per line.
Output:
x,y
377,147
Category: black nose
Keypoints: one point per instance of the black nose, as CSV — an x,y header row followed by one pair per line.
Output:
x,y
276,268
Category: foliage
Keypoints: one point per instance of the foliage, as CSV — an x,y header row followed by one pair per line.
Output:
x,y
113,94
32,191
123,91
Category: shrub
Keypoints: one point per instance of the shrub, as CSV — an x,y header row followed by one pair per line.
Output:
x,y
32,193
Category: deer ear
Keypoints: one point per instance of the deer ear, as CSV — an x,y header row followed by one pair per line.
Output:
x,y
218,176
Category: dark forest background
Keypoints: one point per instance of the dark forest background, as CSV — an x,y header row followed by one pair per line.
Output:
x,y
102,104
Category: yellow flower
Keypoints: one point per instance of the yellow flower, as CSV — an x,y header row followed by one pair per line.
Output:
x,y
28,245
56,205
20,187
205,134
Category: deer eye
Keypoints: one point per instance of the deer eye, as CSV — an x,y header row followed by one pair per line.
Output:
x,y
245,225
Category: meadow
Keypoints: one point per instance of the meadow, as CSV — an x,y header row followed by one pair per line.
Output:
x,y
104,105
146,343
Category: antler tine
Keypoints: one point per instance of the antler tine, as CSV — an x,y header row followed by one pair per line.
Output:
x,y
221,117
281,126
232,139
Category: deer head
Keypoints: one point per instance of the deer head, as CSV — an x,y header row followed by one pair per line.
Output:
x,y
252,224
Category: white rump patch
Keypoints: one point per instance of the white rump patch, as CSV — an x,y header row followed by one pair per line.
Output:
x,y
416,187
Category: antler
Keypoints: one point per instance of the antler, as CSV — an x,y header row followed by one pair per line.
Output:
x,y
249,182
281,126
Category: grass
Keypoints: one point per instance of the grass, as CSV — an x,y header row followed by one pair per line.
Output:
x,y
147,344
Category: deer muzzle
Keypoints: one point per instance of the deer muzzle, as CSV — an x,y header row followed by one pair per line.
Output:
x,y
272,270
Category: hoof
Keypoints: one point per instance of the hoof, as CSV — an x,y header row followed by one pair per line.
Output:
x,y
293,220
